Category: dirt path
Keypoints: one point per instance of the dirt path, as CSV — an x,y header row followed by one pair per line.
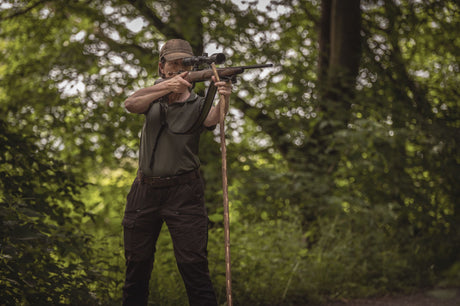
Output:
x,y
434,297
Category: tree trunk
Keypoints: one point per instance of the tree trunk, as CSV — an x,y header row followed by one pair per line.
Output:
x,y
338,65
186,20
338,68
324,41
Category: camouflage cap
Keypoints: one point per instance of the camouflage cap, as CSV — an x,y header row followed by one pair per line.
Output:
x,y
175,49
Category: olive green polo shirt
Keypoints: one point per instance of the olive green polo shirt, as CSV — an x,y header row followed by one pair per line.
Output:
x,y
174,151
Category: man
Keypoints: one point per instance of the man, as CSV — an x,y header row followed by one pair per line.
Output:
x,y
168,187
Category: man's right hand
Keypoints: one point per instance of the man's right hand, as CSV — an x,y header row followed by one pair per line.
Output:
x,y
178,84
176,87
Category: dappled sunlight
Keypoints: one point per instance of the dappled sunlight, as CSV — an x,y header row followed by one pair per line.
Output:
x,y
342,158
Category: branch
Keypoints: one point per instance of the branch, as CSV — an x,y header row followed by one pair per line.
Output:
x,y
402,82
268,124
114,45
24,11
157,23
421,102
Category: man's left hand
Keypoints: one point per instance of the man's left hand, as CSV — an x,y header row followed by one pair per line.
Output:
x,y
224,88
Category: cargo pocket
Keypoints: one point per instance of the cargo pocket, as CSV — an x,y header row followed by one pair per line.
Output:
x,y
189,232
128,222
128,235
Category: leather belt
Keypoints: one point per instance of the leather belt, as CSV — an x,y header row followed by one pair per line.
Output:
x,y
166,181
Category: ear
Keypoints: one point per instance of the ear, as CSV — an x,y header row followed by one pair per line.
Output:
x,y
161,67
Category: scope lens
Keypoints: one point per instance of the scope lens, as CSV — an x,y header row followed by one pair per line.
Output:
x,y
218,58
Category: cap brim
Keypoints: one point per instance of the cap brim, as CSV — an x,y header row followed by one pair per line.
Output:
x,y
176,56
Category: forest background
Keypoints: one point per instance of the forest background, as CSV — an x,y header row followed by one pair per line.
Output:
x,y
343,159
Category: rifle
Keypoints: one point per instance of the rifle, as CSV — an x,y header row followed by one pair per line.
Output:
x,y
228,73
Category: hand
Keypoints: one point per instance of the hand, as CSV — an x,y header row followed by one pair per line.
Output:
x,y
224,88
178,84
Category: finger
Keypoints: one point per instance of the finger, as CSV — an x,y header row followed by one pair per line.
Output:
x,y
224,91
224,85
221,81
184,82
220,84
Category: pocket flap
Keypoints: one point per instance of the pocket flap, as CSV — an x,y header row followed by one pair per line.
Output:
x,y
128,222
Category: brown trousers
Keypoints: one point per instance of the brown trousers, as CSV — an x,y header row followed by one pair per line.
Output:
x,y
181,207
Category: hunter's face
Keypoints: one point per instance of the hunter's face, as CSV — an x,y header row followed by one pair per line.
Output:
x,y
171,68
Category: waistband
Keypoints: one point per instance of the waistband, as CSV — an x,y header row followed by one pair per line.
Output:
x,y
166,181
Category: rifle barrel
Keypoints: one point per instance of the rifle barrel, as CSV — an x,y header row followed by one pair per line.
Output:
x,y
255,66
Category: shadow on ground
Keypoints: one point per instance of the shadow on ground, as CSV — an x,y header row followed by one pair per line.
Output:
x,y
432,297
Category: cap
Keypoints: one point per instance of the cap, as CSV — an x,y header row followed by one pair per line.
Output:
x,y
175,49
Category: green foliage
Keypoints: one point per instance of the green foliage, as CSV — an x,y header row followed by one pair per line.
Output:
x,y
270,249
45,256
319,209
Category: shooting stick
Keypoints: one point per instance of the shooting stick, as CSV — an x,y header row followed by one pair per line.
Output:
x,y
228,276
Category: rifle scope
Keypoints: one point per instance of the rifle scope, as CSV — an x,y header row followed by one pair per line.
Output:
x,y
217,58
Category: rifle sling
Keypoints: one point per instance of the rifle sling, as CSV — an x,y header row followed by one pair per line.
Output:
x,y
204,111
198,123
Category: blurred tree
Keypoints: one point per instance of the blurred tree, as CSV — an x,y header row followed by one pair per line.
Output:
x,y
359,118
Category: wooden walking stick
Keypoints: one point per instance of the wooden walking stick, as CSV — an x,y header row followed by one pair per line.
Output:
x,y
228,275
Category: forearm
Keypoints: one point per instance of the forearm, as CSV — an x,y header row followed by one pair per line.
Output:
x,y
140,101
214,114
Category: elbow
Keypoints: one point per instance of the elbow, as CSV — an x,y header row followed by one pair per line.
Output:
x,y
134,106
129,105
208,123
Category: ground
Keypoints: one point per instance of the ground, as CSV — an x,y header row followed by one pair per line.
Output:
x,y
432,297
